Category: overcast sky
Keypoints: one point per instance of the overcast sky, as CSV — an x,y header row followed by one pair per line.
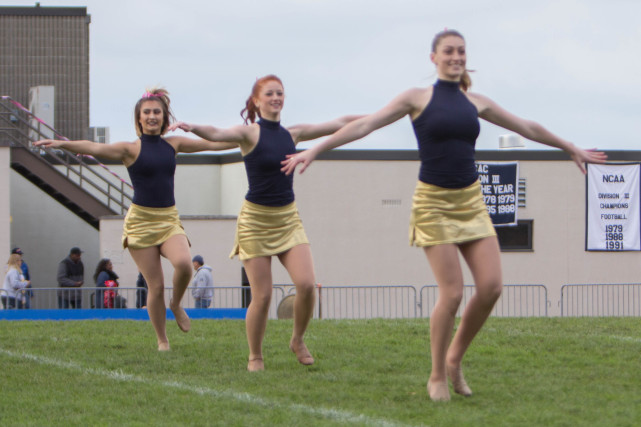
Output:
x,y
572,65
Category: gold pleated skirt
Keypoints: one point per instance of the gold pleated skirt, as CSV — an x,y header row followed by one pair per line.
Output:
x,y
445,215
267,231
147,227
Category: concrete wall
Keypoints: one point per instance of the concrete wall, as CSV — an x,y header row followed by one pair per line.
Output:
x,y
45,230
211,237
5,198
197,186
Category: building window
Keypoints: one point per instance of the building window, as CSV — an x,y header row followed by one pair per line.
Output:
x,y
516,238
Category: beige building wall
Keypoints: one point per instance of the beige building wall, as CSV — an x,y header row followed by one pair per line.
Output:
x,y
233,188
356,214
359,240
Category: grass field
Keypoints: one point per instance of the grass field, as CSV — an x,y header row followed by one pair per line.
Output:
x,y
524,372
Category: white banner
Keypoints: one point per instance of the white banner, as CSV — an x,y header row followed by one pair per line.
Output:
x,y
613,209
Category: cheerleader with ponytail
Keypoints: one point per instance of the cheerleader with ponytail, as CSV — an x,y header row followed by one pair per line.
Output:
x,y
152,226
268,223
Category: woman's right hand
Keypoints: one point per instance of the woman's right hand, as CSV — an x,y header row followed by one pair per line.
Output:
x,y
48,143
305,157
180,125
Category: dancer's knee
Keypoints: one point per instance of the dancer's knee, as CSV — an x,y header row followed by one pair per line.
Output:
x,y
490,292
155,293
450,300
306,289
261,299
183,267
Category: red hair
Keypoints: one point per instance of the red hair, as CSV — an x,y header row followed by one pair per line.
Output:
x,y
250,111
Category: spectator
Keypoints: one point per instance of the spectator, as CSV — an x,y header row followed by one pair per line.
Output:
x,y
71,274
27,293
105,277
141,293
14,283
203,282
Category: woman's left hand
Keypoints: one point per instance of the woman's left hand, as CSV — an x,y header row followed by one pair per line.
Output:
x,y
581,156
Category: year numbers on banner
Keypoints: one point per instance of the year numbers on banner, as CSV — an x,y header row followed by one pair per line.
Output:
x,y
612,245
614,229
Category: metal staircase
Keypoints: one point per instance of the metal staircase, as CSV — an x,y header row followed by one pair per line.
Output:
x,y
80,183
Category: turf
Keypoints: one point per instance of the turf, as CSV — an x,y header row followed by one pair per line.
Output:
x,y
525,372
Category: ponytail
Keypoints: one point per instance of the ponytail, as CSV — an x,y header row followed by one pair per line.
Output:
x,y
250,111
466,81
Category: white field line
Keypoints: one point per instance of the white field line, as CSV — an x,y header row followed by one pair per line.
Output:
x,y
624,338
118,375
515,332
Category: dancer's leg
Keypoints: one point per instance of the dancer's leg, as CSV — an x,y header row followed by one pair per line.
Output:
x,y
484,259
259,273
176,250
446,268
299,264
148,262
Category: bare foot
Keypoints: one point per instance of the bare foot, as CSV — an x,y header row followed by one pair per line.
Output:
x,y
439,392
163,346
302,353
458,381
256,364
181,317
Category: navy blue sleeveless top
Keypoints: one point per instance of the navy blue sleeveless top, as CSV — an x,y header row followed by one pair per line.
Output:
x,y
446,132
268,186
152,174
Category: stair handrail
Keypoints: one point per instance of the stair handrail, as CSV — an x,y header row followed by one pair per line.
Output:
x,y
77,157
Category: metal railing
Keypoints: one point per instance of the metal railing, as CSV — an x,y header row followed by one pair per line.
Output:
x,y
366,302
10,302
601,300
21,128
515,301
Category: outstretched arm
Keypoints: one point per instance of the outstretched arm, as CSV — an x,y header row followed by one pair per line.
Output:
x,y
401,106
219,139
305,132
493,113
116,151
189,145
